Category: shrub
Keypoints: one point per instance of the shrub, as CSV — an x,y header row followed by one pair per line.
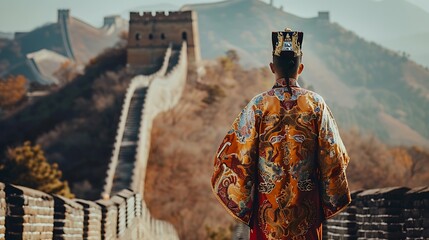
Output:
x,y
27,166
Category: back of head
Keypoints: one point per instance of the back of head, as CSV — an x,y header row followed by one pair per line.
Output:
x,y
287,64
287,54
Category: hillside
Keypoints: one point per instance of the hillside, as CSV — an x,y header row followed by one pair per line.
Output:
x,y
76,125
416,46
69,37
368,86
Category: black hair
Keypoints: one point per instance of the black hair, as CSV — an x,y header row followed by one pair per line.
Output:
x,y
287,65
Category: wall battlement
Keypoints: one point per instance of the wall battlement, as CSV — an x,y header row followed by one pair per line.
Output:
x,y
162,16
385,213
323,16
30,214
63,14
150,34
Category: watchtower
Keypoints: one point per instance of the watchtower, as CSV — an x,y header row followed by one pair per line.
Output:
x,y
323,16
63,14
150,35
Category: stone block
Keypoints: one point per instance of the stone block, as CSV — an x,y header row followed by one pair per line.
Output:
x,y
30,213
92,219
68,218
109,219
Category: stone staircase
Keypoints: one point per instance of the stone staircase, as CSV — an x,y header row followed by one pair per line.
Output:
x,y
128,150
174,59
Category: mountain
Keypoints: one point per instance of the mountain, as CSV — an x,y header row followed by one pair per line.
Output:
x,y
369,87
69,37
76,124
379,21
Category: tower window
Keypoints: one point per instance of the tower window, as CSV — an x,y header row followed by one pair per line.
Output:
x,y
138,36
184,36
162,36
150,36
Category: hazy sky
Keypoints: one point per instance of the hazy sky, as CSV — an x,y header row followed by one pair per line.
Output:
x,y
24,15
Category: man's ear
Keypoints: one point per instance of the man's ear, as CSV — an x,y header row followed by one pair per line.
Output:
x,y
272,68
300,68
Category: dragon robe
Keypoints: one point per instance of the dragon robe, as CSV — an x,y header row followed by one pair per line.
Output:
x,y
281,168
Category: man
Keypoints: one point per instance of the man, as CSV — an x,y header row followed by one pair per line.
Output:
x,y
281,167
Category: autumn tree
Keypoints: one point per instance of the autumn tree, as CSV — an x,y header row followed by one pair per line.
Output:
x,y
27,166
229,62
12,91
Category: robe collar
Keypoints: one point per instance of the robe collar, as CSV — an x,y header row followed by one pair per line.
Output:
x,y
281,83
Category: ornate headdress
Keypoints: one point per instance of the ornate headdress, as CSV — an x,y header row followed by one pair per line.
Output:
x,y
287,40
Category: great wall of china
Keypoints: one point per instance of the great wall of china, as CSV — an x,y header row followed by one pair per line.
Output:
x,y
122,214
390,213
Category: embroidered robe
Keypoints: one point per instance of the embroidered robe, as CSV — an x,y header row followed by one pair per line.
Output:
x,y
281,168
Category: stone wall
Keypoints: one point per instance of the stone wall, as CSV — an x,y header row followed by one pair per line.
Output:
x,y
165,88
2,211
29,214
136,82
163,94
149,35
388,213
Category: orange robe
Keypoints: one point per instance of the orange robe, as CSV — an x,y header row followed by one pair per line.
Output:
x,y
281,168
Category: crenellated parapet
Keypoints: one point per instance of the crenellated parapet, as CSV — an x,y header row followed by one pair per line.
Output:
x,y
63,14
386,213
146,97
382,213
150,34
323,16
163,16
30,214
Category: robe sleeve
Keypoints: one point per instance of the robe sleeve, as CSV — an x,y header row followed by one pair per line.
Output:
x,y
332,160
233,179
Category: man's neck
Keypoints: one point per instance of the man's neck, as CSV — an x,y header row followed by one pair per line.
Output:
x,y
282,82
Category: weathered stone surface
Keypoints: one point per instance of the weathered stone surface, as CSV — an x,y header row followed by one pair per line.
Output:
x,y
92,219
121,217
129,198
2,212
68,219
109,219
29,215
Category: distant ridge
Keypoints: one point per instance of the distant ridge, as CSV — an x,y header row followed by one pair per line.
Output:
x,y
384,21
368,86
70,37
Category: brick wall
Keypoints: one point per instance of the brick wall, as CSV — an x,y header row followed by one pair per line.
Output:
x,y
150,35
387,213
2,212
29,214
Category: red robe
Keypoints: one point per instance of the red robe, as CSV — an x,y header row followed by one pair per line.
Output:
x,y
281,168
